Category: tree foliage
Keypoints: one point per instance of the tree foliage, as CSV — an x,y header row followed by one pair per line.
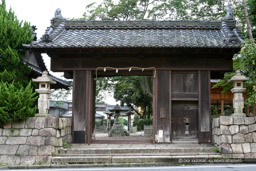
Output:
x,y
12,35
16,93
16,104
128,90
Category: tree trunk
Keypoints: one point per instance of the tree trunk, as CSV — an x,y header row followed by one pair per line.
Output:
x,y
247,21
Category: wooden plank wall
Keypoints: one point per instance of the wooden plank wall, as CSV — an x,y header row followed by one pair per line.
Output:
x,y
204,134
163,117
82,95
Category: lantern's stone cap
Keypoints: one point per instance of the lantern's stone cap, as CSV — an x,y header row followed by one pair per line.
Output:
x,y
44,79
238,77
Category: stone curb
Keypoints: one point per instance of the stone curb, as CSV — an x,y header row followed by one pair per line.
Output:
x,y
242,161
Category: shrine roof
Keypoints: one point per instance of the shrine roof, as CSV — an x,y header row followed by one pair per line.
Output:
x,y
139,34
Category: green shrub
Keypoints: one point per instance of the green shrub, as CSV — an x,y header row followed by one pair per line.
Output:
x,y
16,104
141,122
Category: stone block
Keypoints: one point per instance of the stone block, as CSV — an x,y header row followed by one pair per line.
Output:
x,y
45,150
248,155
69,139
224,130
238,138
225,149
48,132
226,139
253,147
8,126
244,129
16,140
248,137
28,160
237,148
36,140
69,130
18,124
234,129
238,156
3,140
35,132
15,133
57,142
44,159
33,150
10,160
40,122
63,132
1,131
6,132
252,128
213,123
8,149
52,122
226,120
25,132
238,120
218,131
214,131
254,137
249,120
69,122
30,122
246,147
23,150
65,121
58,134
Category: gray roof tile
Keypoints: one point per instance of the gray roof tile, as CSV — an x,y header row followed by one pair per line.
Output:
x,y
132,34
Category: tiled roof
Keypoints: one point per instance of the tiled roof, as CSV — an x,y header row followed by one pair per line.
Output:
x,y
132,34
39,66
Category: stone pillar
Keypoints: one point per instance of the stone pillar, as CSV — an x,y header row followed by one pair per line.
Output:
x,y
129,123
238,100
108,122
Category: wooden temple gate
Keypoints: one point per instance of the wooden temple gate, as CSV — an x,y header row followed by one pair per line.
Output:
x,y
185,54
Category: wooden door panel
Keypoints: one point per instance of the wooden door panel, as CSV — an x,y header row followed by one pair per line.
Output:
x,y
184,84
184,117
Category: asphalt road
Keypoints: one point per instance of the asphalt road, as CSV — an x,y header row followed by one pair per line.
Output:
x,y
171,168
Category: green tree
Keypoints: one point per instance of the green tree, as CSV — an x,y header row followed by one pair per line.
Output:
x,y
17,96
12,35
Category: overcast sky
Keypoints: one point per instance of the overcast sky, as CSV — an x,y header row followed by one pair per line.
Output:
x,y
40,12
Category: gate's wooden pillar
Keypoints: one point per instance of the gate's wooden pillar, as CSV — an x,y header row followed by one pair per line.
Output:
x,y
204,127
82,106
162,124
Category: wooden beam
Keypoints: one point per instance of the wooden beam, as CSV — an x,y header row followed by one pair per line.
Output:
x,y
222,107
254,110
248,110
217,108
231,109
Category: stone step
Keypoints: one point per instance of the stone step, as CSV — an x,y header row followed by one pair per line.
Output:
x,y
137,150
130,159
139,154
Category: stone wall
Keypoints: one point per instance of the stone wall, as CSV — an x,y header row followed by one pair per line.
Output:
x,y
33,141
235,137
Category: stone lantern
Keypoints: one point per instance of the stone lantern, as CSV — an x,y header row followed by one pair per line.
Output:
x,y
238,99
117,130
44,91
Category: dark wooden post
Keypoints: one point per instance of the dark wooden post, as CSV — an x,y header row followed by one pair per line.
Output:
x,y
82,106
204,135
162,105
